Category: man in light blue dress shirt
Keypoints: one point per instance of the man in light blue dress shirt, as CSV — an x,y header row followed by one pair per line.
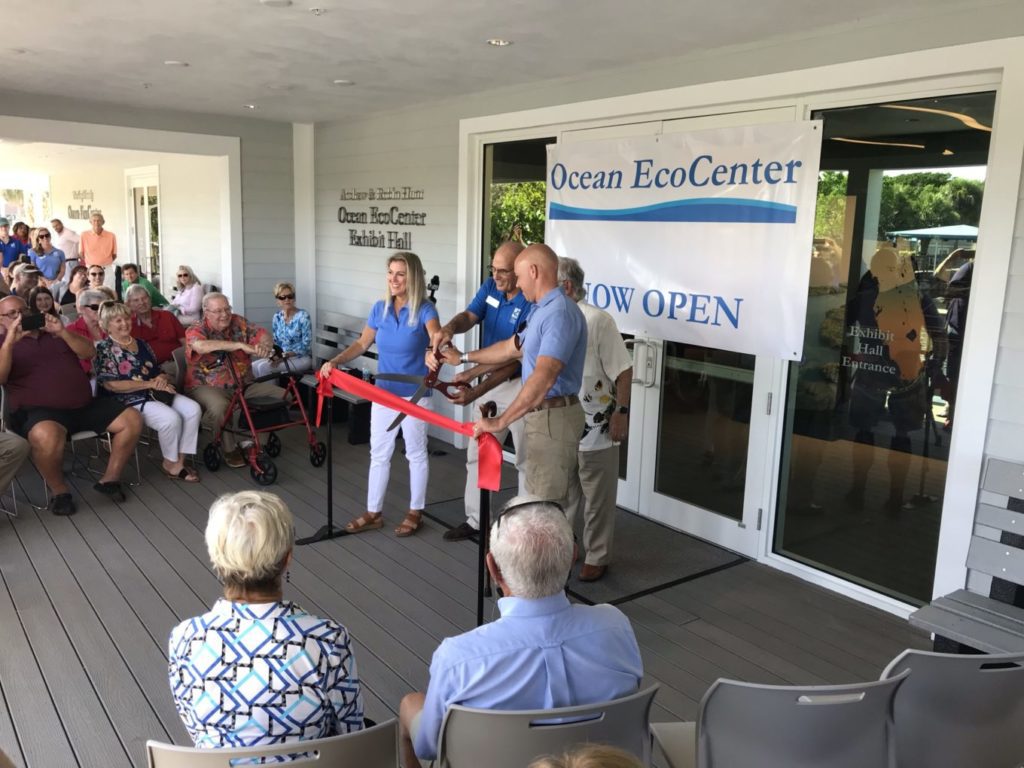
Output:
x,y
553,348
544,652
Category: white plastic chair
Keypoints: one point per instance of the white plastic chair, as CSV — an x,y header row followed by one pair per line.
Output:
x,y
959,710
744,725
375,747
512,739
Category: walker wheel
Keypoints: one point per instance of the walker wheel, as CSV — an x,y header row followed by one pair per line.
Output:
x,y
273,447
211,457
264,471
317,454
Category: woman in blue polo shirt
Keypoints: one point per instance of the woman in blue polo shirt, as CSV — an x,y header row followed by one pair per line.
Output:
x,y
48,260
401,324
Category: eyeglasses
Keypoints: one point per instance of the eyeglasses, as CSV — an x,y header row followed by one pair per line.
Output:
x,y
93,307
184,274
97,273
499,272
225,311
43,234
286,297
13,314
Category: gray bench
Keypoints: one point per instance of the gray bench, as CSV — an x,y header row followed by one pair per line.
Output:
x,y
332,333
983,617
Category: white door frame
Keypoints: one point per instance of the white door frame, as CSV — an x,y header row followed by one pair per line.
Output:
x,y
134,178
995,64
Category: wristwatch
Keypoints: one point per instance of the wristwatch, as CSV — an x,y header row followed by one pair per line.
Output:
x,y
623,409
464,359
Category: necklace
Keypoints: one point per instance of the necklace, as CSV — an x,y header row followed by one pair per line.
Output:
x,y
128,344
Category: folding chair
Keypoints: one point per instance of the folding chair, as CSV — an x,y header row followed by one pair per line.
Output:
x,y
375,747
512,739
959,709
743,725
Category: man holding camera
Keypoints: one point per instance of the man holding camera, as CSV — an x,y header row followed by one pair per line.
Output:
x,y
49,396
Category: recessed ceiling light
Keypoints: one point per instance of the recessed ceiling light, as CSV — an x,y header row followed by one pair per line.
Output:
x,y
948,152
175,63
276,3
249,106
498,42
344,82
318,11
147,86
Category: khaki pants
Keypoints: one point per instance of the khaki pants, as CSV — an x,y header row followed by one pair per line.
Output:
x,y
595,492
13,452
551,439
502,395
215,400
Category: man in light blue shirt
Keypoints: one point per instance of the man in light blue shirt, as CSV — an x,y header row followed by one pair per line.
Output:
x,y
553,348
544,652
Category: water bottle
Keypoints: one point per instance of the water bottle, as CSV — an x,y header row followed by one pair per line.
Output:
x,y
365,373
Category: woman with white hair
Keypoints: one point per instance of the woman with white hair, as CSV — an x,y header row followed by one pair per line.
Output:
x,y
127,368
187,303
299,681
402,324
88,322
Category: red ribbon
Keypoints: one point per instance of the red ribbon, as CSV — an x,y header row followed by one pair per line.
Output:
x,y
489,469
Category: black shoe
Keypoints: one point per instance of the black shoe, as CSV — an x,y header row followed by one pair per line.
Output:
x,y
459,532
62,504
112,489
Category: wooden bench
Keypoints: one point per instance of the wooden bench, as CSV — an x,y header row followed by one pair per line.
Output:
x,y
992,622
332,333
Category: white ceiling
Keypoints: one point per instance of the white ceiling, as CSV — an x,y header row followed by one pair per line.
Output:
x,y
41,157
399,52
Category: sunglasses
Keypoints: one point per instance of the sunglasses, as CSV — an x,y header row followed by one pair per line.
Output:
x,y
43,234
286,297
96,274
183,274
93,307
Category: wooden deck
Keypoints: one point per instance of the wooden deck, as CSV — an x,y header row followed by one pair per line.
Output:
x,y
87,604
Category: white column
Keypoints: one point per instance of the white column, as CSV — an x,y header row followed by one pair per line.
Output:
x,y
303,156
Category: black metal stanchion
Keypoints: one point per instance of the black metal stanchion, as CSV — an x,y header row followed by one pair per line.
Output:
x,y
483,579
327,531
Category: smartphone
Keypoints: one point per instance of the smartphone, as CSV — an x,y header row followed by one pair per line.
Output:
x,y
33,322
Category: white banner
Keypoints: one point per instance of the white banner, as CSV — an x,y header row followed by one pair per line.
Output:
x,y
701,237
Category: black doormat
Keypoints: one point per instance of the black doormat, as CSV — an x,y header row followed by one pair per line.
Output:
x,y
648,556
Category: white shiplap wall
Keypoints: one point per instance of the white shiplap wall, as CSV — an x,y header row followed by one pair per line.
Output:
x,y
268,222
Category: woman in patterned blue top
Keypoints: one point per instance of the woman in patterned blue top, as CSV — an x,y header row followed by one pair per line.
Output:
x,y
258,669
293,333
401,324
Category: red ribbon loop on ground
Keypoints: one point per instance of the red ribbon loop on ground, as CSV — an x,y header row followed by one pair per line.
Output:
x,y
489,470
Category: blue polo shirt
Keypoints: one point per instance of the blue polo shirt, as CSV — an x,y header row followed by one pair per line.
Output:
x,y
498,315
48,263
13,248
400,346
556,328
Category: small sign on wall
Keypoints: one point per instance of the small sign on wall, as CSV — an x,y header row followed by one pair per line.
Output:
x,y
84,208
380,224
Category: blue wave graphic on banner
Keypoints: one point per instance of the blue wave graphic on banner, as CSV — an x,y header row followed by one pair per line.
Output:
x,y
730,210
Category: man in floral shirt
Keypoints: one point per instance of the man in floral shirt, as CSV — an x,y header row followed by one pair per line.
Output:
x,y
221,339
607,378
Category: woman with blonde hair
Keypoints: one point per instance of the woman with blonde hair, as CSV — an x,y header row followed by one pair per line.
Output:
x,y
401,324
589,756
127,368
298,681
293,333
187,303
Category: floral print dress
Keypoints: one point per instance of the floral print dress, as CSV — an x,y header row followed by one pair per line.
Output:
x,y
116,363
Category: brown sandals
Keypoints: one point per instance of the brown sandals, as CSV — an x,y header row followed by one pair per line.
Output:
x,y
368,521
410,524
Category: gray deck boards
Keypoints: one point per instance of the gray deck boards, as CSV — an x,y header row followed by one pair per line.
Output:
x,y
86,605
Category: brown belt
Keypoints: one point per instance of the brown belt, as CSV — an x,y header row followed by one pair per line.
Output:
x,y
556,402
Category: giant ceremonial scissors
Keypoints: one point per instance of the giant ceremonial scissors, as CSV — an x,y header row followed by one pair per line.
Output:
x,y
449,389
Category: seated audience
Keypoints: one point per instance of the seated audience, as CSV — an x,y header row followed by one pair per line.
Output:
x,y
127,369
130,275
47,259
223,339
544,652
24,277
13,452
72,285
158,327
589,756
97,275
41,300
48,396
88,323
188,301
300,677
293,333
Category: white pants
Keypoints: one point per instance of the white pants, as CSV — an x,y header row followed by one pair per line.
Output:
x,y
176,425
382,445
263,366
502,395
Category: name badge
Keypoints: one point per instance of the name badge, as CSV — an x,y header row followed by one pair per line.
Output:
x,y
493,301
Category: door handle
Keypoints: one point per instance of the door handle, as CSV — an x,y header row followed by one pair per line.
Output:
x,y
630,344
650,365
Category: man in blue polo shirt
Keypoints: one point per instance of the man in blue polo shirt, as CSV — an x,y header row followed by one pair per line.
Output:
x,y
12,246
553,348
499,307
